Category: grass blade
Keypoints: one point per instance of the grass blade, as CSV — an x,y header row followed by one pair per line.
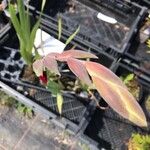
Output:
x,y
72,36
59,28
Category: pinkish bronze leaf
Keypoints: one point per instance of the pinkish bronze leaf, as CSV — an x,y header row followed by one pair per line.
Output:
x,y
77,67
115,93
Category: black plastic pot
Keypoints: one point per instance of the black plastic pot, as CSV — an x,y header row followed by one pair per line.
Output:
x,y
4,26
140,65
99,33
76,112
3,21
124,70
146,105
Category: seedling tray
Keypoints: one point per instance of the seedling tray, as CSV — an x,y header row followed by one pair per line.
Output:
x,y
76,110
3,21
4,26
98,32
139,66
109,130
145,3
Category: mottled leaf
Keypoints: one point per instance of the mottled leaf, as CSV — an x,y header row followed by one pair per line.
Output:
x,y
50,63
77,67
38,67
115,93
75,54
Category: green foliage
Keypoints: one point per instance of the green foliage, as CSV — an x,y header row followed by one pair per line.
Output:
x,y
6,99
9,101
131,82
54,87
26,111
126,79
139,142
59,102
72,36
83,146
59,27
25,32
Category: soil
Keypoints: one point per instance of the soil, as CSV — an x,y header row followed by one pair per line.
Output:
x,y
148,104
134,87
28,74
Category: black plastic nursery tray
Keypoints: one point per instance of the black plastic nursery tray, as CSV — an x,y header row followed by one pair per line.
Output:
x,y
4,25
95,31
3,21
108,130
138,58
76,110
145,3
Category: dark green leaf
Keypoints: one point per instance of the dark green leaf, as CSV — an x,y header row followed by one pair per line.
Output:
x,y
54,87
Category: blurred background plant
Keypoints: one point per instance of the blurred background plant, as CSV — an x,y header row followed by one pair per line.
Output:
x,y
8,101
139,142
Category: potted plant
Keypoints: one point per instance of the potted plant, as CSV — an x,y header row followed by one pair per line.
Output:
x,y
84,69
131,81
91,75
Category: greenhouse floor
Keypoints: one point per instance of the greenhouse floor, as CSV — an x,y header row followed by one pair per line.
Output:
x,y
20,133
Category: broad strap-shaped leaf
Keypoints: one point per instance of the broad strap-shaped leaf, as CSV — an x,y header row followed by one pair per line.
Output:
x,y
75,54
77,67
38,67
50,63
115,93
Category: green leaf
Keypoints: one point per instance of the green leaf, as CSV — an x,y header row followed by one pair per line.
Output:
x,y
54,87
59,102
21,10
43,4
59,27
128,78
33,33
15,20
72,36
